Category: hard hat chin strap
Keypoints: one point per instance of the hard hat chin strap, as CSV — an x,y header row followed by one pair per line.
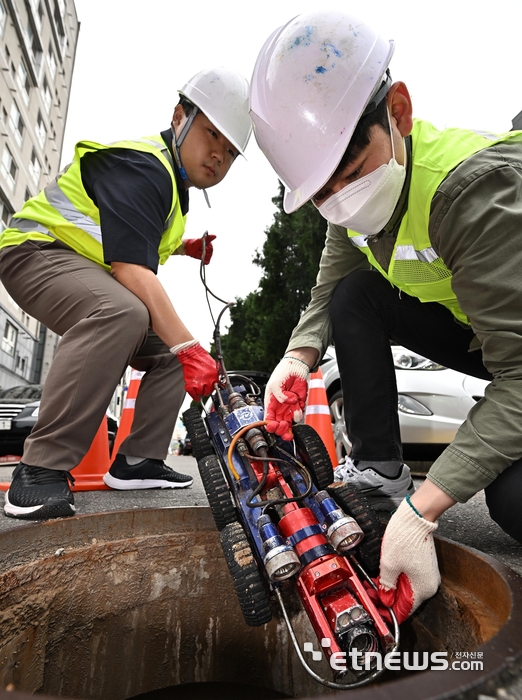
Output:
x,y
379,94
178,140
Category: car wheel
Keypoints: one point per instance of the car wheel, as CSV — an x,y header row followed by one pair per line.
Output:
x,y
343,446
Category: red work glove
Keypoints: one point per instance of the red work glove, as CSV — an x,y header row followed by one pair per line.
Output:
x,y
285,396
409,571
199,370
194,248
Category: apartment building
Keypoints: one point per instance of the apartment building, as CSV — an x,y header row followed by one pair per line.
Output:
x,y
37,49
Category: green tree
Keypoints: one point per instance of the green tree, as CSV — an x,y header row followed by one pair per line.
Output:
x,y
262,322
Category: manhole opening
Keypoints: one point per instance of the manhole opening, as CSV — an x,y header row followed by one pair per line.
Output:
x,y
153,607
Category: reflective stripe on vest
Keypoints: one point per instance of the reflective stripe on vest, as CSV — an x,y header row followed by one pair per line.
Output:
x,y
359,241
26,225
66,208
415,267
408,252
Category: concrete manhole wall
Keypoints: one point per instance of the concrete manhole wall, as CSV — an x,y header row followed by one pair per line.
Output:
x,y
117,604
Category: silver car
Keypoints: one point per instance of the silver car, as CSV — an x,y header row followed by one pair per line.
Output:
x,y
433,402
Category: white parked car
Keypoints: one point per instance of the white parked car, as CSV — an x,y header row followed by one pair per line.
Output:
x,y
433,402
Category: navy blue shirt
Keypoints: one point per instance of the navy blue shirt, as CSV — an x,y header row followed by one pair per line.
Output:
x,y
133,192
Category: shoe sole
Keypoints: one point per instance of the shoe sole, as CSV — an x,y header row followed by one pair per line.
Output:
x,y
133,484
54,508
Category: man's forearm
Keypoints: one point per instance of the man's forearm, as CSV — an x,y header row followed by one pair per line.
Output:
x,y
142,282
431,501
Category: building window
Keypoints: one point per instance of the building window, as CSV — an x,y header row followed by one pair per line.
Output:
x,y
59,15
5,215
21,364
34,167
46,95
9,339
27,194
36,50
38,13
41,131
51,60
9,167
3,17
23,80
16,123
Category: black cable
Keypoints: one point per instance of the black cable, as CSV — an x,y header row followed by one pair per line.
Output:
x,y
203,277
281,501
256,391
228,304
258,488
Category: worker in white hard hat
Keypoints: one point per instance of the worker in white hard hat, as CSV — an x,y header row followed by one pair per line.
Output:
x,y
423,248
82,256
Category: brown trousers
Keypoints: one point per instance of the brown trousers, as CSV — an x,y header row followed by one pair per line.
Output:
x,y
103,328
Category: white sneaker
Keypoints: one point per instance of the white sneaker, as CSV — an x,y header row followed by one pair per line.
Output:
x,y
383,492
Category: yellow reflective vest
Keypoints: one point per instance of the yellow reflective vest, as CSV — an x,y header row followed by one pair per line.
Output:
x,y
415,267
64,211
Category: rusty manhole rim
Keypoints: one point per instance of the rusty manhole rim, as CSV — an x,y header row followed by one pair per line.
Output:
x,y
502,653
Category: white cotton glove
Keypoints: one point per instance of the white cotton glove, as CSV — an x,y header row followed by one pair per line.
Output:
x,y
409,573
285,396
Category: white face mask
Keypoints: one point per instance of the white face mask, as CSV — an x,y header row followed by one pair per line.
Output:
x,y
367,205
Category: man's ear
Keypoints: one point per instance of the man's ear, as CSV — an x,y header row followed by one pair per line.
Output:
x,y
178,115
399,104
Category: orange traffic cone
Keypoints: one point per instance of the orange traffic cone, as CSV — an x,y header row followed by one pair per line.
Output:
x,y
317,413
127,415
88,475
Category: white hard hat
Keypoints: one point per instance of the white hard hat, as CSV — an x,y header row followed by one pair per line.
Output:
x,y
222,95
312,81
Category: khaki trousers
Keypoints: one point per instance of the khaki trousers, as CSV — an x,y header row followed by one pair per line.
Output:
x,y
103,328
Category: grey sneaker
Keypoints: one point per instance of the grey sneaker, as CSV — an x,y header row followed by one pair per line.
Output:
x,y
383,492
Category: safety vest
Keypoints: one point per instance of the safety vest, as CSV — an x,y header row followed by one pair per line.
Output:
x,y
64,211
415,267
